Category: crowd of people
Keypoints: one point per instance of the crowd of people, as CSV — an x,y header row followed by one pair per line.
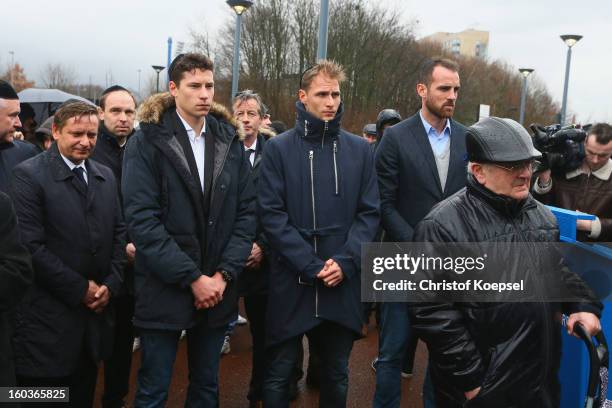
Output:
x,y
109,230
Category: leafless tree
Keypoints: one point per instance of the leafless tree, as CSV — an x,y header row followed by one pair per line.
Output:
x,y
380,55
58,76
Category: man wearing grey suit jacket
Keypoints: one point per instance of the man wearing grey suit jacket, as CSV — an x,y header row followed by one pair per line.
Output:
x,y
420,162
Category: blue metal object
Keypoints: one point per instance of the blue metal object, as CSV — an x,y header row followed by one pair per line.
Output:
x,y
567,222
169,56
593,262
323,25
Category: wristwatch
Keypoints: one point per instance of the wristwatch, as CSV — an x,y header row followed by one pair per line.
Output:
x,y
227,277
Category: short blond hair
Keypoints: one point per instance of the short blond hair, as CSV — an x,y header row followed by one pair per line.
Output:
x,y
326,67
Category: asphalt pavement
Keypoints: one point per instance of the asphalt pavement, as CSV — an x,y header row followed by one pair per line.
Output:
x,y
235,373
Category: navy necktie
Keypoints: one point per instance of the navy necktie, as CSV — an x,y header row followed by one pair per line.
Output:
x,y
251,152
80,173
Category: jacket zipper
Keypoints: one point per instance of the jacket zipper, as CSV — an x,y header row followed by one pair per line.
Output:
x,y
335,166
314,223
324,132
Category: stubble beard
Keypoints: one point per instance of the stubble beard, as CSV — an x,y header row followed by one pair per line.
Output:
x,y
438,112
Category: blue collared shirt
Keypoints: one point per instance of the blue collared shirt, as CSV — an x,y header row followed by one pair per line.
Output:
x,y
437,140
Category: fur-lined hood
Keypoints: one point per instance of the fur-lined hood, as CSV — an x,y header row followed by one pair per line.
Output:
x,y
152,111
267,133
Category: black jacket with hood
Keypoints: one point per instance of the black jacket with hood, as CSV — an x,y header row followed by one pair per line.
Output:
x,y
317,199
182,232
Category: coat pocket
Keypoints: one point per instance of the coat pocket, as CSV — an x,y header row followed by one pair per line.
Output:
x,y
190,245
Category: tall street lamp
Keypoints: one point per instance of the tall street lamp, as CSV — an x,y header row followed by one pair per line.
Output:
x,y
239,6
12,66
158,69
570,40
139,94
525,72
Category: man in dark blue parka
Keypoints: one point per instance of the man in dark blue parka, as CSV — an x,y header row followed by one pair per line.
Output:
x,y
318,202
189,208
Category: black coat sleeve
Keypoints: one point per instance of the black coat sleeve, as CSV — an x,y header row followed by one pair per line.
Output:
x,y
51,272
143,213
366,220
15,263
272,211
115,280
442,327
239,246
387,168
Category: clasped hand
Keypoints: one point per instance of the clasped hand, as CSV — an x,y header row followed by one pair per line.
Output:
x,y
208,291
97,297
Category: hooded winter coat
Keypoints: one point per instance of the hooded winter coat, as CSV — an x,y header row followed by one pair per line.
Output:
x,y
180,231
317,199
511,350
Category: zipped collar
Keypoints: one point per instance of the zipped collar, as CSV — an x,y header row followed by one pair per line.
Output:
x,y
104,133
312,128
502,204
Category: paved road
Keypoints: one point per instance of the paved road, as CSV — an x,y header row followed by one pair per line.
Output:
x,y
235,373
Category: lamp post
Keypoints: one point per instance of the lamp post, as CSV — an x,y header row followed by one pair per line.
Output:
x,y
525,72
139,95
570,40
323,25
169,60
239,7
12,65
158,69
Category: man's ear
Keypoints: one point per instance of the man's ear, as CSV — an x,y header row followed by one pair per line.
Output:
x,y
173,88
421,90
54,131
100,114
479,172
302,95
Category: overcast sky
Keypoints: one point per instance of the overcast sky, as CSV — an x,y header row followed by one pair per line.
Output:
x,y
122,36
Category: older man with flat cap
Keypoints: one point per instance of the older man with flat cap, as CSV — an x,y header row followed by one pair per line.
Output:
x,y
497,354
12,152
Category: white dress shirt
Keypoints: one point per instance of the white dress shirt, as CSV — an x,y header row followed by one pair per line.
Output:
x,y
72,166
253,147
197,146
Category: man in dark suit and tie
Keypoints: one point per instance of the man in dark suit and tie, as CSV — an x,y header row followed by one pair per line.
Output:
x,y
420,162
248,110
70,221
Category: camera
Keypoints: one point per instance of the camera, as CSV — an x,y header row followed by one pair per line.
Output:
x,y
562,147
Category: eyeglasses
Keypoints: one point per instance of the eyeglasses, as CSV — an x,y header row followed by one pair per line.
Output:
x,y
517,167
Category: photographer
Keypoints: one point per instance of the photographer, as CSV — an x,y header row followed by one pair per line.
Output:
x,y
587,188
